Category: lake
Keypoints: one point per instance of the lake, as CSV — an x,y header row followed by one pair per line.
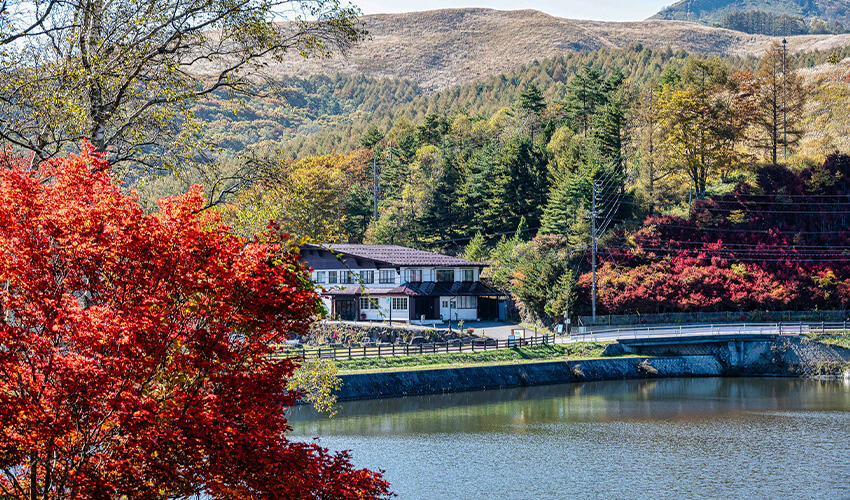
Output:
x,y
673,438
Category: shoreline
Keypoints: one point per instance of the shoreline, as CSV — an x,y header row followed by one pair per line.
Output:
x,y
781,356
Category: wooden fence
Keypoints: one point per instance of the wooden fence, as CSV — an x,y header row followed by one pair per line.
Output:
x,y
473,345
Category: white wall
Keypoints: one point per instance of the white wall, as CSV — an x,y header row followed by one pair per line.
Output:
x,y
430,273
383,313
376,284
457,314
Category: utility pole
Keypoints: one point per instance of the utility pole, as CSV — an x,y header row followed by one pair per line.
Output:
x,y
375,183
567,311
593,214
784,103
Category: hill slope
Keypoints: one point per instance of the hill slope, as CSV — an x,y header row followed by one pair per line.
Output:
x,y
442,48
712,11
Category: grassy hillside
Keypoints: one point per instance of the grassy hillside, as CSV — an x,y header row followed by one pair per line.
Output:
x,y
826,122
319,114
713,11
444,48
296,108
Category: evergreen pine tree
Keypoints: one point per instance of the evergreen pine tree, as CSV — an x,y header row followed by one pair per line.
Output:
x,y
476,249
586,92
532,99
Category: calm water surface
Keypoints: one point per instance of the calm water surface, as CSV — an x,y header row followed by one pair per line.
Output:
x,y
675,438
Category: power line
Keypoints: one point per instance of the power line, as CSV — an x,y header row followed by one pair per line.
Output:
x,y
487,236
759,202
755,195
742,245
759,211
752,231
749,256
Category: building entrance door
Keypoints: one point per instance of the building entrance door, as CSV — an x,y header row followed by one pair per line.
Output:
x,y
346,310
488,308
425,307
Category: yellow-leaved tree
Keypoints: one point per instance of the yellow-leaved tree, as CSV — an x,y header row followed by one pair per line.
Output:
x,y
318,197
698,118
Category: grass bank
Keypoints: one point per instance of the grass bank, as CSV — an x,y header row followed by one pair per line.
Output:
x,y
578,350
836,339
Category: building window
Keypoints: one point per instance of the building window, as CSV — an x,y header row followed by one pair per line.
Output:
x,y
367,303
400,303
466,302
445,304
414,276
332,277
320,276
367,277
387,276
445,275
347,277
468,275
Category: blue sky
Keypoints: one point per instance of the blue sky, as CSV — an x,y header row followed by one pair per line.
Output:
x,y
602,10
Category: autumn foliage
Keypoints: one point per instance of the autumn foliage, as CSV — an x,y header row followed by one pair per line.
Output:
x,y
779,243
135,348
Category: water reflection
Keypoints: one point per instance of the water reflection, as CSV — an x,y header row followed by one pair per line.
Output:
x,y
675,438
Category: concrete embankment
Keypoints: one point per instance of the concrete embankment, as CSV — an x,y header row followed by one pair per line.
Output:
x,y
420,382
750,355
693,357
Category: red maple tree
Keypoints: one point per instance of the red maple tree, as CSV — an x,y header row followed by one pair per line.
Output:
x,y
779,243
136,350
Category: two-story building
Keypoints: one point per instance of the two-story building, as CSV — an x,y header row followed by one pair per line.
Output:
x,y
391,282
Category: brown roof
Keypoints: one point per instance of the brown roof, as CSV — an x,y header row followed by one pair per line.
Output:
x,y
425,289
400,256
359,290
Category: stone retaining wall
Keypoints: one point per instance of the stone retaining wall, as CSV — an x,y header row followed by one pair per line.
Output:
x,y
420,382
784,356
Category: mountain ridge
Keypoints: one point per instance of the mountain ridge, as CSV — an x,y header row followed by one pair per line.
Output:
x,y
708,11
441,48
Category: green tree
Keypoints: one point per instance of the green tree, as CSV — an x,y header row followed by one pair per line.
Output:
x,y
432,129
610,122
532,99
443,218
476,197
476,249
586,92
372,137
571,192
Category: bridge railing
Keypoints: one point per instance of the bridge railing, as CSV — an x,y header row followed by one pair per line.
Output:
x,y
779,328
718,317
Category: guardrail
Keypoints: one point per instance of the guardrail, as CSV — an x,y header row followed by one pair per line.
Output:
x,y
779,328
473,345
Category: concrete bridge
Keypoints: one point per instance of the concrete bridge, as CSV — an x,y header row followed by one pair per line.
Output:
x,y
733,350
739,354
701,329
